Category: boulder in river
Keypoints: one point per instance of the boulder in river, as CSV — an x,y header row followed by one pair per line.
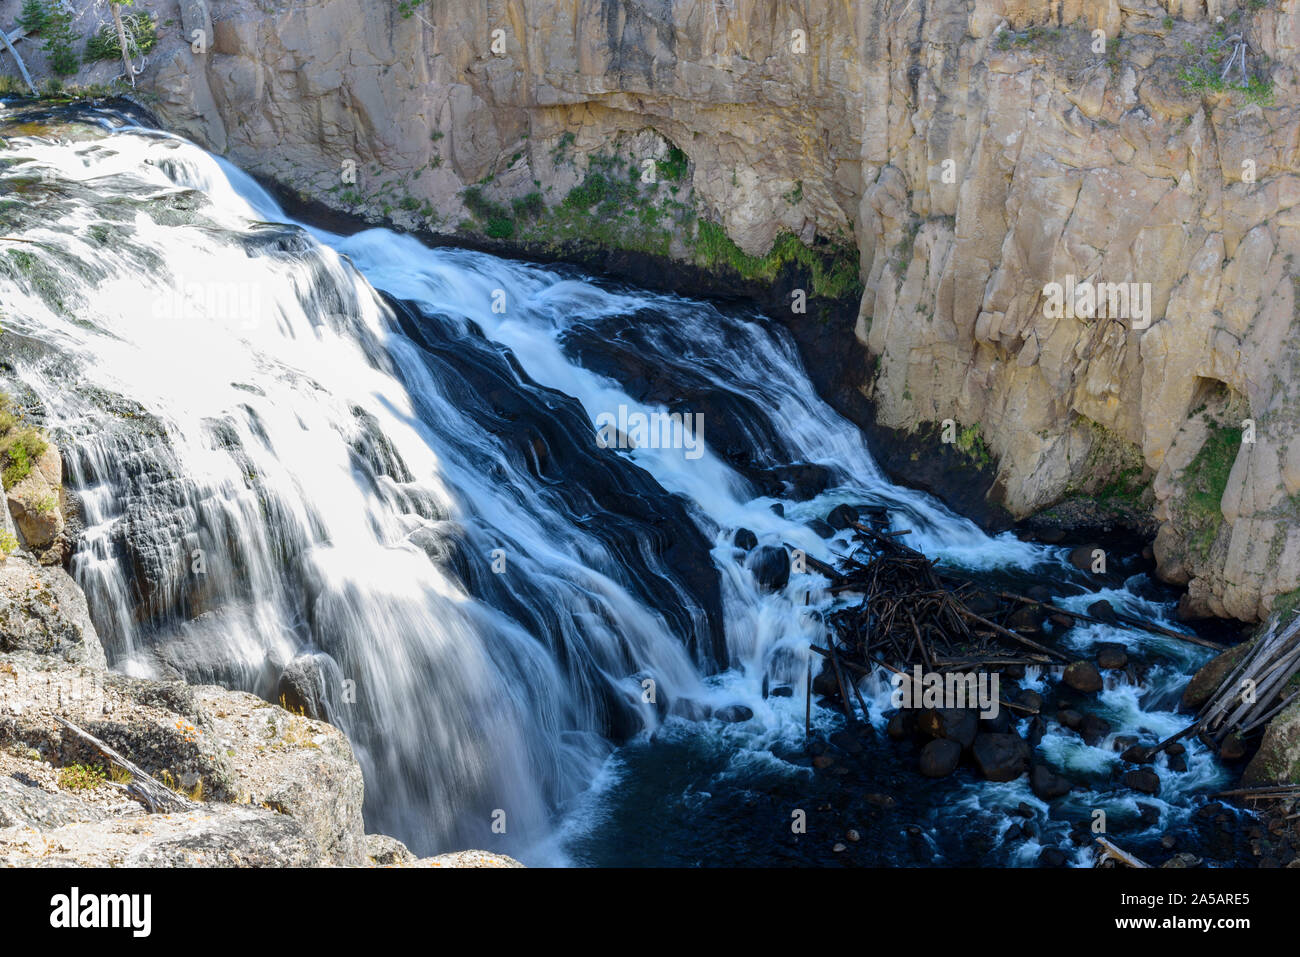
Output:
x,y
744,539
1093,729
733,714
1083,676
771,566
1104,611
1143,780
955,724
1112,656
1083,557
822,529
1047,784
1000,757
841,517
939,758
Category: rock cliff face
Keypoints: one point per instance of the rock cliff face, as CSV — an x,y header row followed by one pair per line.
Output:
x,y
967,152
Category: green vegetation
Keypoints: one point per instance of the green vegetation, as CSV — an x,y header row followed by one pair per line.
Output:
x,y
81,777
8,544
59,46
20,447
34,15
1206,480
1204,76
834,272
673,169
141,37
970,441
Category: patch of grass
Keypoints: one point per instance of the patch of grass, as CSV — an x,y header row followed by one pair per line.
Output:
x,y
970,440
834,271
8,543
81,777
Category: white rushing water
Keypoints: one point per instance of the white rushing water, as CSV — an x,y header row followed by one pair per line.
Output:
x,y
490,629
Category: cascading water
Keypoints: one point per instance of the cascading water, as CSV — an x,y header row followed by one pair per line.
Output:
x,y
405,486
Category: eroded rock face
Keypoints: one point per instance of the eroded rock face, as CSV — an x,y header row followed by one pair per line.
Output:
x,y
974,152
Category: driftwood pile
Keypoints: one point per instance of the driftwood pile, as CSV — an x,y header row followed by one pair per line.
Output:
x,y
913,613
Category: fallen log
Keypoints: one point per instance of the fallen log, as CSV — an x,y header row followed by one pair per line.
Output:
x,y
1006,633
154,796
1112,850
1126,619
22,67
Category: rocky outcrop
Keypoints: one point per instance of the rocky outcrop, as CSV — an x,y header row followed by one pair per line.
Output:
x,y
971,152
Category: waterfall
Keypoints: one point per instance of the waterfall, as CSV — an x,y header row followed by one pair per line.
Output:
x,y
383,460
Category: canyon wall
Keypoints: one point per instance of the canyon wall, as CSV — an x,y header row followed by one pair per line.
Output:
x,y
966,153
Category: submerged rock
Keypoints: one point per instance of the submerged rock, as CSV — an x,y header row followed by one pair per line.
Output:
x,y
771,566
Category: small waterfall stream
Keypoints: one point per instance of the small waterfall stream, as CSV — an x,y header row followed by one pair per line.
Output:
x,y
289,443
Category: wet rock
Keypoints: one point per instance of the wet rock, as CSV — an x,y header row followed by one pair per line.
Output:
x,y
1148,814
1000,757
955,724
846,742
823,761
771,567
983,604
1082,557
1178,764
1070,719
1232,748
825,684
939,758
1105,611
1138,754
733,713
1025,810
744,539
820,528
1063,622
800,481
1094,729
852,835
1030,699
1181,861
301,688
1213,673
1142,780
778,509
1027,620
877,799
1000,723
1122,742
902,725
1053,857
1083,676
782,691
690,709
1047,784
842,517
1112,656
1175,749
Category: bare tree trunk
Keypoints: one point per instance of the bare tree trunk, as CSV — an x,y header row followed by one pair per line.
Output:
x,y
22,67
121,39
